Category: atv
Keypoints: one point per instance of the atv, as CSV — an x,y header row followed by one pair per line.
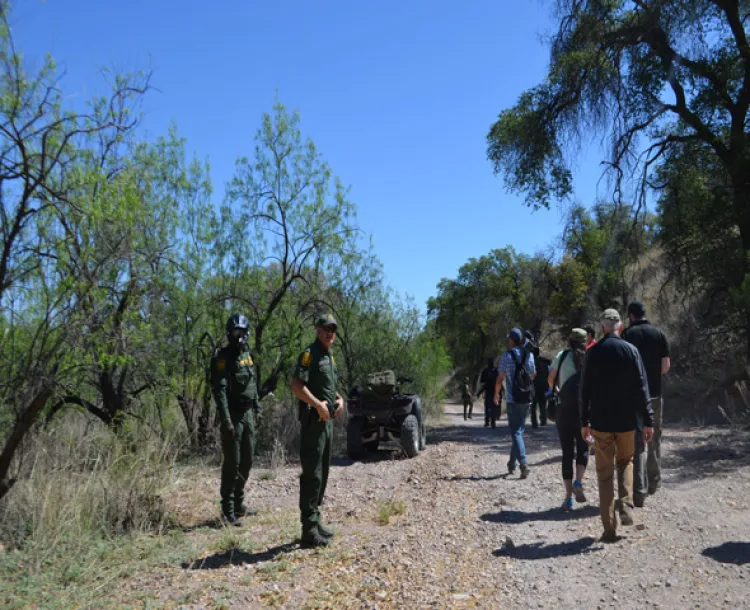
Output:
x,y
381,412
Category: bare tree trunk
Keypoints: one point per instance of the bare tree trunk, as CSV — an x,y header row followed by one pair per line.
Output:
x,y
29,413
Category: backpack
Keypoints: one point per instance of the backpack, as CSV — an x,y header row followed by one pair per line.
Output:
x,y
523,388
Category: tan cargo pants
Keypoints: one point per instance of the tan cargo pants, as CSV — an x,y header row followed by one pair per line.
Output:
x,y
614,449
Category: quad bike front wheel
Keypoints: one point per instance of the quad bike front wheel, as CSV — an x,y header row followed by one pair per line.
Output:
x,y
410,436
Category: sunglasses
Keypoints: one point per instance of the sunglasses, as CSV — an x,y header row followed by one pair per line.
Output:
x,y
329,329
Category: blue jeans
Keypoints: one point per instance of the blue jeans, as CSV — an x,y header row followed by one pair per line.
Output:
x,y
517,415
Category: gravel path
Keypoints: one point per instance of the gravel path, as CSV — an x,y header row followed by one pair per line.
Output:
x,y
471,537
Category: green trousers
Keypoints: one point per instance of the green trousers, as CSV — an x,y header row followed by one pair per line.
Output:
x,y
315,456
238,459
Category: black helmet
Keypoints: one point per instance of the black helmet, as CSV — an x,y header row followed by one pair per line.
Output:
x,y
237,320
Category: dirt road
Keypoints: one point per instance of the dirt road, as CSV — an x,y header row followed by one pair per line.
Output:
x,y
450,529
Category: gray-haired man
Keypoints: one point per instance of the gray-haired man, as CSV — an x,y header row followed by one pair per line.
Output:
x,y
614,393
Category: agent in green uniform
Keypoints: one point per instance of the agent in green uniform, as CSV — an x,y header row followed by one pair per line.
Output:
x,y
314,384
236,394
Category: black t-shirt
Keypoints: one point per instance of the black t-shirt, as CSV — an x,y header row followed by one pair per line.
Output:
x,y
653,345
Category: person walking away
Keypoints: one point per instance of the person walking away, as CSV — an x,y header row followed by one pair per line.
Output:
x,y
314,384
653,347
614,393
517,371
235,391
466,396
590,337
564,379
541,364
487,387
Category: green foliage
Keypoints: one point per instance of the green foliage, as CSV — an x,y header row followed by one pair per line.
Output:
x,y
668,85
474,312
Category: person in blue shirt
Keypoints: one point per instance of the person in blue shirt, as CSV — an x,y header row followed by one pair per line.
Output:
x,y
517,370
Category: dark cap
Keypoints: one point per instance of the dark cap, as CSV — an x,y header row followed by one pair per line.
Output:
x,y
515,334
326,319
529,335
637,308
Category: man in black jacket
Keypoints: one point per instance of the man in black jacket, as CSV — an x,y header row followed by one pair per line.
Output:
x,y
653,347
487,387
614,394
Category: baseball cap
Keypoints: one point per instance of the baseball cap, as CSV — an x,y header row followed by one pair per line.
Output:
x,y
326,320
578,335
515,334
637,308
611,314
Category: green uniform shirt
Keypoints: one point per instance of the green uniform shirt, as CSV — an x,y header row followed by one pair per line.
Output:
x,y
234,383
317,368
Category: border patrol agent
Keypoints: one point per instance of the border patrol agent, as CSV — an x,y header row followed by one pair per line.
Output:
x,y
314,384
236,393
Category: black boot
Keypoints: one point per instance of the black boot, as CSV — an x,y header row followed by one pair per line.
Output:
x,y
231,519
244,511
313,539
325,532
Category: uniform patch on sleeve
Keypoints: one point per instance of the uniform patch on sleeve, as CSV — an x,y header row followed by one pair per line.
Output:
x,y
306,359
221,365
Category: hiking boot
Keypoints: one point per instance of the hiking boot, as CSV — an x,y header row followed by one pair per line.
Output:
x,y
524,471
244,511
609,537
652,489
486,424
567,504
626,516
325,532
639,500
314,539
511,468
231,519
578,491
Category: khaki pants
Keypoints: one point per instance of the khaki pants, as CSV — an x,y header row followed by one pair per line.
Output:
x,y
614,448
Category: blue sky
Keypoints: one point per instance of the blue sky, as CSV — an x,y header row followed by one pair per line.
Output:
x,y
397,95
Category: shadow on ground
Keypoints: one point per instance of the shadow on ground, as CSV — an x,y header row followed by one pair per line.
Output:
x,y
213,524
476,478
388,454
730,552
552,514
539,550
550,460
236,557
454,430
700,457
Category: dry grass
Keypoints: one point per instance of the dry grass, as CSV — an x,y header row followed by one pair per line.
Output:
x,y
67,523
390,509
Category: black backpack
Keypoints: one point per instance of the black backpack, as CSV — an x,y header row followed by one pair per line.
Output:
x,y
523,388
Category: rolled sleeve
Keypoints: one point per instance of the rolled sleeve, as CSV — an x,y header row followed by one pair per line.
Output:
x,y
302,369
